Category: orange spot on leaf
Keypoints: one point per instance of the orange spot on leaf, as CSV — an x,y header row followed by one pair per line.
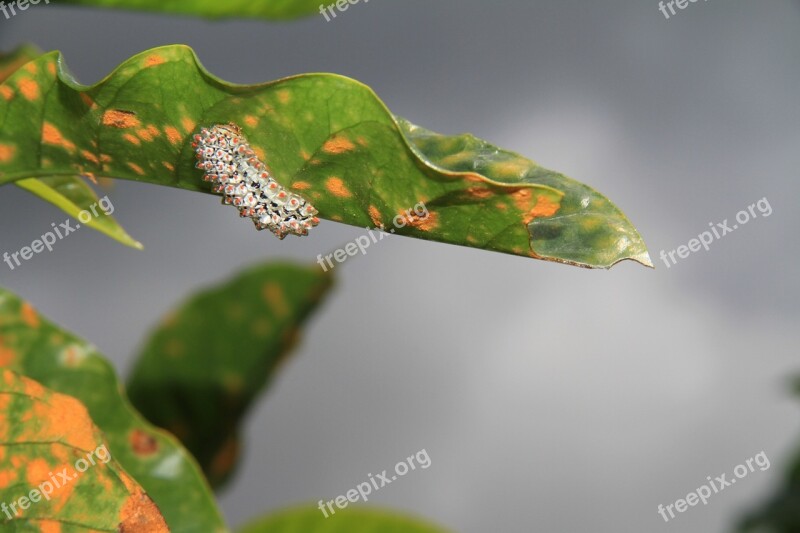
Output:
x,y
136,168
338,145
6,153
375,216
29,89
119,118
153,60
29,315
301,185
173,135
337,187
543,208
51,135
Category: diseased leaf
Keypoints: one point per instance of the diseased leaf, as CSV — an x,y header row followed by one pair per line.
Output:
x,y
56,469
267,9
69,193
324,136
348,520
206,363
34,347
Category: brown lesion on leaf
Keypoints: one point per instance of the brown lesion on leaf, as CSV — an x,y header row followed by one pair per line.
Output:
x,y
87,100
428,223
119,118
375,216
338,145
337,187
225,458
142,443
543,208
139,514
480,193
276,299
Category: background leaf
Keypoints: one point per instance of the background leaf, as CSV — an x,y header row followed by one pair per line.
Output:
x,y
324,136
348,520
268,9
781,513
69,193
206,363
56,469
34,347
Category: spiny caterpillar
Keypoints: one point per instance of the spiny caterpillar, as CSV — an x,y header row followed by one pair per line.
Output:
x,y
236,172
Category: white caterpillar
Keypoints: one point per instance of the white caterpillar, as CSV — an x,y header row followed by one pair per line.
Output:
x,y
243,180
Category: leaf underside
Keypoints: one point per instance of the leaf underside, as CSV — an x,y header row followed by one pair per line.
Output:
x,y
324,136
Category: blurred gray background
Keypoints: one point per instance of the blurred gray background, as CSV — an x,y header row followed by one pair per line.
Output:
x,y
549,398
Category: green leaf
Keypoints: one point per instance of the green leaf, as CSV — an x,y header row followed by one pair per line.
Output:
x,y
73,196
267,9
34,347
69,193
56,469
349,520
781,512
324,136
207,362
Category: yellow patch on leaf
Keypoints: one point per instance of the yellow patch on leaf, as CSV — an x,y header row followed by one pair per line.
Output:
x,y
276,299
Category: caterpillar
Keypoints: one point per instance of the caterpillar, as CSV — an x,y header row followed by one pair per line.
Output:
x,y
237,173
